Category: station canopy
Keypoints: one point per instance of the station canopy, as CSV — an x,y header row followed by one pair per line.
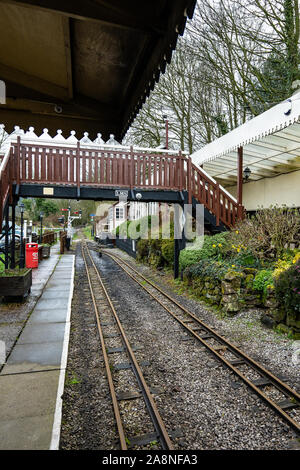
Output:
x,y
84,65
270,141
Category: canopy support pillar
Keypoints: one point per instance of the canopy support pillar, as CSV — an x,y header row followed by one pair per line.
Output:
x,y
240,176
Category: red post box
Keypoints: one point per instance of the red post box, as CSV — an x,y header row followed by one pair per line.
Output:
x,y
32,255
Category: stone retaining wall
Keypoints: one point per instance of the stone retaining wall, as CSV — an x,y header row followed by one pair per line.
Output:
x,y
235,292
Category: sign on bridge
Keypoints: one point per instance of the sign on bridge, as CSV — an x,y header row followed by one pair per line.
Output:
x,y
121,192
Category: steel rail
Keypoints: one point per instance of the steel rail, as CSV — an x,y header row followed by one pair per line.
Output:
x,y
275,381
106,362
151,406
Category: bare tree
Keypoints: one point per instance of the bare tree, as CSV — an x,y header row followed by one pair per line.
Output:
x,y
235,60
3,139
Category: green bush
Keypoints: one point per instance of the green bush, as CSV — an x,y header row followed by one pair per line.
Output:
x,y
122,228
287,288
262,280
154,246
246,258
189,257
150,252
157,252
214,246
142,249
139,228
167,250
208,269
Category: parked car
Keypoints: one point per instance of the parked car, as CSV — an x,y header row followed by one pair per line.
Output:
x,y
2,240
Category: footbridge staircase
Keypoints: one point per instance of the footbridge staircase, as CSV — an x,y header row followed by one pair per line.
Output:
x,y
83,169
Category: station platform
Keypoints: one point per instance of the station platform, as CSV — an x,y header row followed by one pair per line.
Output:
x,y
32,380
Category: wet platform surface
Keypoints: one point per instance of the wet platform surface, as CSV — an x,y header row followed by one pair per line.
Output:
x,y
33,375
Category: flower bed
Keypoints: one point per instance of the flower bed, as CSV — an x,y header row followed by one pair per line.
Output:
x,y
255,265
265,272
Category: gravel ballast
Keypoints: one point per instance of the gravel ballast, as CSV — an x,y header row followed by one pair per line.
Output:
x,y
203,404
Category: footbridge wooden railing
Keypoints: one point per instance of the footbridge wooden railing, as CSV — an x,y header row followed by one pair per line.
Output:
x,y
6,169
78,165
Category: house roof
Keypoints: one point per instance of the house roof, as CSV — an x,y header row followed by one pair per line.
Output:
x,y
84,66
270,141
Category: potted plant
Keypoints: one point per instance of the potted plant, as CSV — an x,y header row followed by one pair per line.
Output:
x,y
46,250
15,284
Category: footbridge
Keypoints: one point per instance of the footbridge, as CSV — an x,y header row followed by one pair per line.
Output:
x,y
83,169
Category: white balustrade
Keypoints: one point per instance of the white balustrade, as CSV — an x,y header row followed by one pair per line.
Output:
x,y
45,139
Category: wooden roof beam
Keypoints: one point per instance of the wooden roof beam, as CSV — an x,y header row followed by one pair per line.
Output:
x,y
80,124
73,109
10,74
122,16
67,44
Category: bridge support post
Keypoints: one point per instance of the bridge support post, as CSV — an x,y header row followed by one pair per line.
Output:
x,y
178,246
6,237
13,241
179,239
240,176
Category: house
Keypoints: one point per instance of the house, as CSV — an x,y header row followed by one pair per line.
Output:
x,y
118,212
259,161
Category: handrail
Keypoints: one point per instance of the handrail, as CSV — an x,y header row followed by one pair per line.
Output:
x,y
81,165
221,187
224,206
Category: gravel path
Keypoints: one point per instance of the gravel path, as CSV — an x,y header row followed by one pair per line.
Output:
x,y
203,404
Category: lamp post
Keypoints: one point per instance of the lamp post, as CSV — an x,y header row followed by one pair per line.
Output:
x,y
22,258
41,229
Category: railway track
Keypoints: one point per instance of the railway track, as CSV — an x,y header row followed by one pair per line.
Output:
x,y
284,400
107,319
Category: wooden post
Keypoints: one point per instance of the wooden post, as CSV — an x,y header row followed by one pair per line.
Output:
x,y
167,134
189,180
240,176
240,212
18,159
10,176
78,165
218,206
177,235
180,170
131,173
62,236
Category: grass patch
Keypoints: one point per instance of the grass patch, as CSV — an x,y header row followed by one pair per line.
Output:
x,y
72,379
12,272
87,233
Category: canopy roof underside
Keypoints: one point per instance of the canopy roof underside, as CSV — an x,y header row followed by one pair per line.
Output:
x,y
270,141
84,65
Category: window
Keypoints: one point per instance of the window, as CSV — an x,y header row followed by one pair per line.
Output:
x,y
119,212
